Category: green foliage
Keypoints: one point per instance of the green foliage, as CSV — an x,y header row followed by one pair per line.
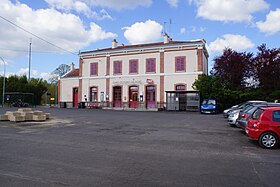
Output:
x,y
213,87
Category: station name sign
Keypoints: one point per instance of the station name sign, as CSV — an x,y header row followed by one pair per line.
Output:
x,y
127,82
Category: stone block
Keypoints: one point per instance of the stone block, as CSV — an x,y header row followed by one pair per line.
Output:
x,y
47,115
41,117
24,109
28,116
16,113
16,118
38,112
9,113
4,117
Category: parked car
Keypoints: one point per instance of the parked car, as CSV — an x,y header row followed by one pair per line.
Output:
x,y
264,126
208,106
235,114
246,115
240,106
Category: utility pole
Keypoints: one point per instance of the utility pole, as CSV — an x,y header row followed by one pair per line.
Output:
x,y
29,59
4,77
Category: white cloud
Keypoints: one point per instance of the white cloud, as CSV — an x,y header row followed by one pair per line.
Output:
x,y
272,24
85,5
202,29
63,29
173,3
25,71
45,76
120,4
229,10
143,32
79,7
233,41
34,73
183,30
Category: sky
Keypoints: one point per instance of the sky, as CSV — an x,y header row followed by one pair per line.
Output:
x,y
59,29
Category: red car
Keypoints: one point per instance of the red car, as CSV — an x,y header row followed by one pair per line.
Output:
x,y
264,126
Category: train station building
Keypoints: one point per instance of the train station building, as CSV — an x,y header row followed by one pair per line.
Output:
x,y
138,76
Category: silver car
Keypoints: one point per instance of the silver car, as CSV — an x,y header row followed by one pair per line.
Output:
x,y
233,116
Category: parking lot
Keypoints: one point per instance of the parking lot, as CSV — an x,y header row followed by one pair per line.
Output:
x,y
88,147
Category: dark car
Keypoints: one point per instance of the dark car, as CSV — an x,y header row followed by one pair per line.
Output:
x,y
264,126
208,106
246,114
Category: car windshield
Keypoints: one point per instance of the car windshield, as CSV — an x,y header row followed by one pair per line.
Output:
x,y
209,102
247,108
251,110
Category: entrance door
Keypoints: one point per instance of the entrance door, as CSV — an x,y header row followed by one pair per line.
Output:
x,y
151,97
75,97
117,96
182,97
133,96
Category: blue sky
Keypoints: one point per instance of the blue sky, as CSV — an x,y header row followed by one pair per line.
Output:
x,y
90,24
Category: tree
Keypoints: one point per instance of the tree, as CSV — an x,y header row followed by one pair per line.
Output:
x,y
209,86
17,84
267,67
233,68
38,87
213,87
58,72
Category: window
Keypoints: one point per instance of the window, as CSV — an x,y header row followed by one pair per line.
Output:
x,y
151,65
93,94
276,116
133,66
257,114
94,68
180,63
117,67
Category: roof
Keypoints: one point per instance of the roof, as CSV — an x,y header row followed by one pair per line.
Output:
x,y
144,45
271,108
73,73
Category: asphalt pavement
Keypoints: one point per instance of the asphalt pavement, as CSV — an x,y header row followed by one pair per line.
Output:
x,y
91,147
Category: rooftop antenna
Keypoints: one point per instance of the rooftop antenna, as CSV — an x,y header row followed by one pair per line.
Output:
x,y
164,30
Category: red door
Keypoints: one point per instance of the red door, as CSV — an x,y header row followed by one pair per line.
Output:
x,y
117,96
75,97
133,97
151,97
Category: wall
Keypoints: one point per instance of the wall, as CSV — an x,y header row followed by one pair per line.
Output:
x,y
66,88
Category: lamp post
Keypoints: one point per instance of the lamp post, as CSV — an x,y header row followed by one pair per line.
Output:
x,y
3,96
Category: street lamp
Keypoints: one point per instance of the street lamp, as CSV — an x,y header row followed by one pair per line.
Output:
x,y
3,96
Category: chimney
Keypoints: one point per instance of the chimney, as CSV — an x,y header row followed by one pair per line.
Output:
x,y
166,38
114,44
72,66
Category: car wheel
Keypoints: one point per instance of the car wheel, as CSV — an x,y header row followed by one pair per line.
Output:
x,y
268,140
